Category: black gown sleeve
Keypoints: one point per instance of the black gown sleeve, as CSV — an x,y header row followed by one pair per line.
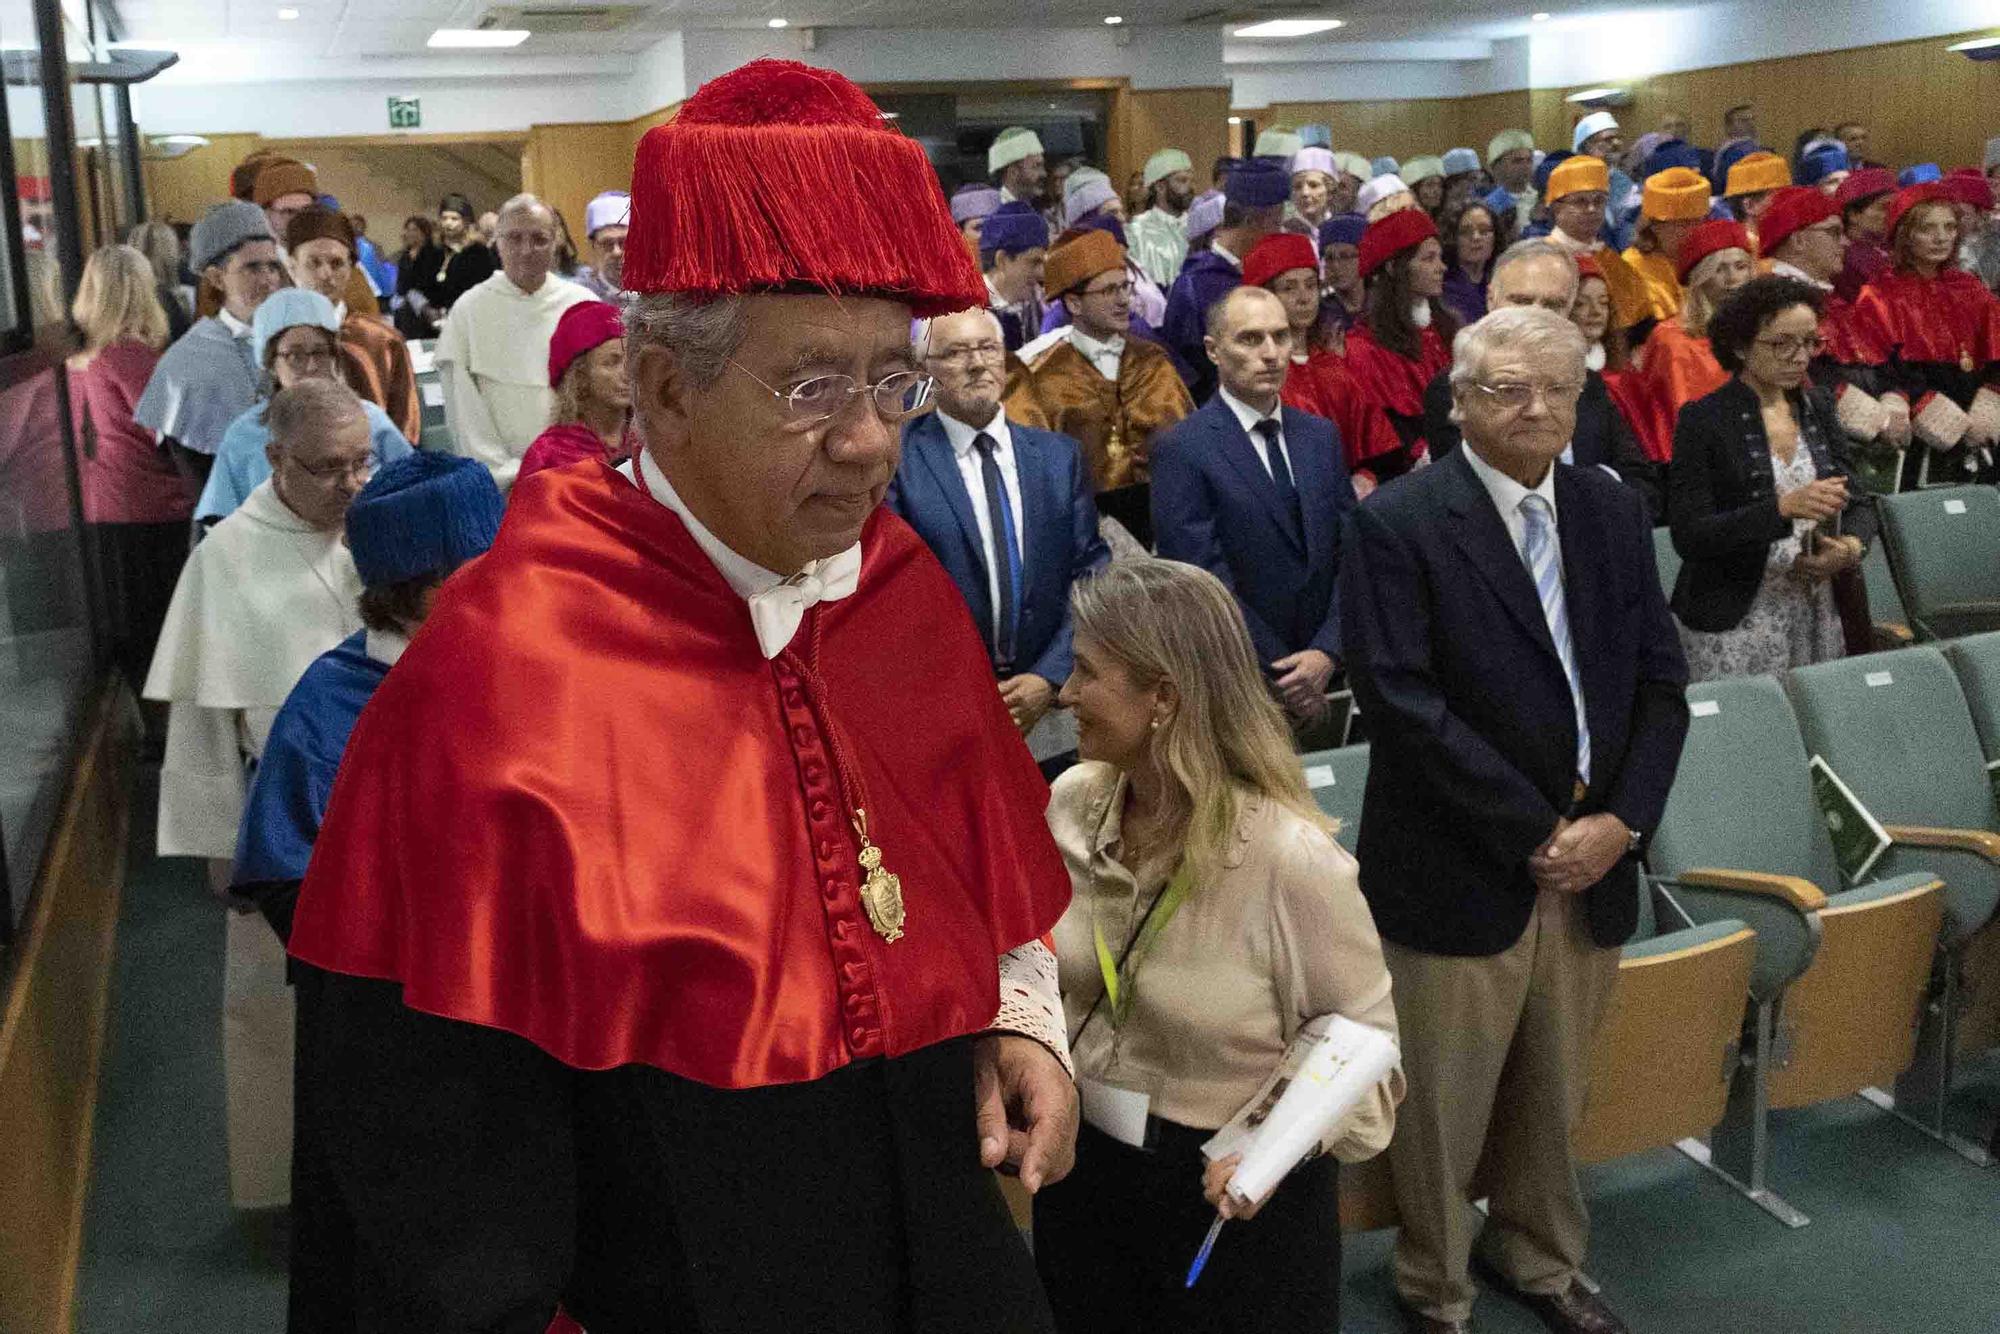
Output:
x,y
452,1148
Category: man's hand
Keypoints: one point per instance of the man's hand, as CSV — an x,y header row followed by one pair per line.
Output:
x,y
1027,698
1303,681
1027,1109
1580,853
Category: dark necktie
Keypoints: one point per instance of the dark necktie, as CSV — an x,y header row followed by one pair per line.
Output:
x,y
1281,471
1000,517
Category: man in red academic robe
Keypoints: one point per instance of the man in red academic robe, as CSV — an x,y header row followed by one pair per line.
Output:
x,y
677,918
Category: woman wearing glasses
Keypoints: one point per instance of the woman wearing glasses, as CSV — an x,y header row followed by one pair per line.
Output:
x,y
1759,495
295,336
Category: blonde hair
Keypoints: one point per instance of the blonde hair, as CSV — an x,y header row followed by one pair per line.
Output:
x,y
117,298
1165,621
1697,307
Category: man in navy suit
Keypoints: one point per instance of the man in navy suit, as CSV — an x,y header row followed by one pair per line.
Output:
x,y
1009,511
1523,683
1254,492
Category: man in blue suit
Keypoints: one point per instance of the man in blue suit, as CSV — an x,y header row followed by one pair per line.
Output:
x,y
1009,511
1255,493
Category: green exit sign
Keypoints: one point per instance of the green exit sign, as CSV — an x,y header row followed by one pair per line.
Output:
x,y
404,113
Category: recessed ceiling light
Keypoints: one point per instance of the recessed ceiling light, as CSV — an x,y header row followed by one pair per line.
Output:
x,y
1288,28
1236,120
778,23
288,14
1541,16
477,37
1114,19
1976,44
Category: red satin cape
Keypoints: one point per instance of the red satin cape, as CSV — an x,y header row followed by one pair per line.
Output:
x,y
1323,386
1943,319
1676,369
1391,380
584,809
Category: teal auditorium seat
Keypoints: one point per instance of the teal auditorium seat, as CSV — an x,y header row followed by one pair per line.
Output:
x,y
1659,1067
1885,604
1975,660
1840,973
1896,728
1944,549
1666,559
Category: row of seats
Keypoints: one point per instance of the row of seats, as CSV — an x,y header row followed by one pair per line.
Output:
x,y
1935,573
1760,979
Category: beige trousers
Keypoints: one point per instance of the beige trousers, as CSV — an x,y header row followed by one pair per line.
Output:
x,y
1496,1050
257,1063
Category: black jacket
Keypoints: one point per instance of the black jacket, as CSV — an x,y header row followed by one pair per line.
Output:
x,y
1473,750
1602,438
1722,499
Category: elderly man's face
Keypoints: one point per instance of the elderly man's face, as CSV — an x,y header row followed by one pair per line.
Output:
x,y
968,359
527,245
608,245
1342,194
1520,412
319,476
1543,280
1514,169
772,484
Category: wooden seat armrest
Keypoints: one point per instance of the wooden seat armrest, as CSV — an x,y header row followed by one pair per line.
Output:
x,y
1799,893
1895,632
1977,841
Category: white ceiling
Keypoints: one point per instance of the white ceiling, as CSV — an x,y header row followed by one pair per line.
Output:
x,y
346,28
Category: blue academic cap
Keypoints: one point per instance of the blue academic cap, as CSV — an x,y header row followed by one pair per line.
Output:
x,y
1014,228
424,514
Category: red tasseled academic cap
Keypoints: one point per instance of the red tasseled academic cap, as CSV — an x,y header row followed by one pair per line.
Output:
x,y
779,176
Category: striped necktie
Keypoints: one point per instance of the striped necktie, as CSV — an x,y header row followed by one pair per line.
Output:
x,y
1545,567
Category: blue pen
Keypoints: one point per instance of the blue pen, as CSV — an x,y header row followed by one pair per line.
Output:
x,y
1207,1245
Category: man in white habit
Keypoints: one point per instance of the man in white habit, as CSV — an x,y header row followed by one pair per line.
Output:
x,y
493,353
1017,166
1157,238
270,589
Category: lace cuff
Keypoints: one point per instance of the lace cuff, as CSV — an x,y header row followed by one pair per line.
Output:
x,y
1031,1000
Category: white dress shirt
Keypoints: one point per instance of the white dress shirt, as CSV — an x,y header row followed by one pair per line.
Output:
x,y
1507,496
1249,417
1104,356
1234,261
961,437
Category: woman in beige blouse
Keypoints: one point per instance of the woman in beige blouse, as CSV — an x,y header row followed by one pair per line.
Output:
x,y
1188,765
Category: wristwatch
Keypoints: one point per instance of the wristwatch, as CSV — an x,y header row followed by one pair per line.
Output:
x,y
1632,841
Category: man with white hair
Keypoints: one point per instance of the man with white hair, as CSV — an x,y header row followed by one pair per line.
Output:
x,y
1034,529
270,589
1158,237
1509,644
678,913
493,353
606,221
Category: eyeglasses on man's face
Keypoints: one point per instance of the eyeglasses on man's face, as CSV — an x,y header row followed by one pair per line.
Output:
x,y
895,397
1515,395
966,354
361,470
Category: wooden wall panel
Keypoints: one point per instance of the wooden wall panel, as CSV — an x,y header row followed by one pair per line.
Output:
x,y
1195,120
182,189
569,165
386,181
1480,118
52,1033
1401,129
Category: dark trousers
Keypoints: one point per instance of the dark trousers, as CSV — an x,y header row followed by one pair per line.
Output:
x,y
486,1181
1115,1238
140,563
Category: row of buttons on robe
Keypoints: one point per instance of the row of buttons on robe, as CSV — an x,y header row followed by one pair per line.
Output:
x,y
834,862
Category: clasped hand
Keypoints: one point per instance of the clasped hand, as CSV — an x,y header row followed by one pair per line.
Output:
x,y
1304,677
1026,1109
1579,853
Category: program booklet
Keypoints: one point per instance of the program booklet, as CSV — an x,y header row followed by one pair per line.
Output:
x,y
1859,840
1329,1067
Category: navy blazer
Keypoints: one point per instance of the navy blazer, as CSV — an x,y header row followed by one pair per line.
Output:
x,y
1472,726
1215,505
1058,525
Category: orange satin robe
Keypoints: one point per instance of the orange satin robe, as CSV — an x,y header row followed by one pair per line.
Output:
x,y
377,367
1114,421
1676,368
1662,286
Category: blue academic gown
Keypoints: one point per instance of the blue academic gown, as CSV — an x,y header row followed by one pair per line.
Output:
x,y
240,463
1205,279
294,778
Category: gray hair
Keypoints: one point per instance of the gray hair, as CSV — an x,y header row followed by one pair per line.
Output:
x,y
310,407
523,203
1537,248
920,333
702,335
1529,330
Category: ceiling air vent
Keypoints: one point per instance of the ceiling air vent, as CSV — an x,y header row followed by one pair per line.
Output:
x,y
548,20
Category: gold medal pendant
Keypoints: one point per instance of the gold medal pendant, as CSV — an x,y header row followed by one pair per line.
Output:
x,y
881,890
1965,362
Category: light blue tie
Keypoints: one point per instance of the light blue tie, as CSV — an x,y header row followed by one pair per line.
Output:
x,y
1545,567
